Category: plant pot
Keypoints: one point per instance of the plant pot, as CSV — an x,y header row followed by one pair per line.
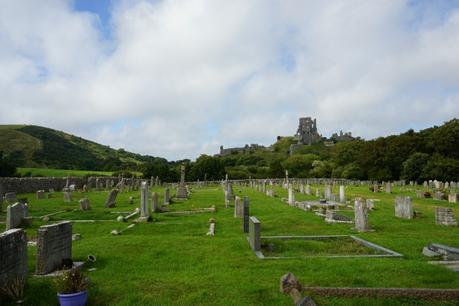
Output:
x,y
73,299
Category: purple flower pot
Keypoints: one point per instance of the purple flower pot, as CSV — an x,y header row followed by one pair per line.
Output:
x,y
73,299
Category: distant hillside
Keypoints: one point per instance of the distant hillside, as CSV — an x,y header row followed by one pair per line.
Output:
x,y
36,146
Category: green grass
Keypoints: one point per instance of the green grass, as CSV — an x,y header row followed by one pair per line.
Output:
x,y
171,261
60,172
315,247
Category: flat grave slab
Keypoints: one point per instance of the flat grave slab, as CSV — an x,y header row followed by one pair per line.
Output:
x,y
326,246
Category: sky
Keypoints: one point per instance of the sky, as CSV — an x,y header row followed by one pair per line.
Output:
x,y
177,79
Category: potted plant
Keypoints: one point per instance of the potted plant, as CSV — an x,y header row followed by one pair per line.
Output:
x,y
72,288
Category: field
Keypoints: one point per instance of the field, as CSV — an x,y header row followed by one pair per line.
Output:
x,y
60,172
171,261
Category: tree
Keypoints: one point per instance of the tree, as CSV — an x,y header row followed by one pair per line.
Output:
x,y
413,167
207,167
7,166
299,165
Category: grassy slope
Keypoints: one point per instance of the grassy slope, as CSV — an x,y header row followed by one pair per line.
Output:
x,y
60,172
44,147
172,261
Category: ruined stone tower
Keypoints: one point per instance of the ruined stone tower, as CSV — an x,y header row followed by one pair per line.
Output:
x,y
307,131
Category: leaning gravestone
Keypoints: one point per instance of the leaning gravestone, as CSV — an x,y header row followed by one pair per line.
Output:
x,y
246,215
111,200
13,255
445,216
54,247
15,215
361,215
254,234
403,207
84,204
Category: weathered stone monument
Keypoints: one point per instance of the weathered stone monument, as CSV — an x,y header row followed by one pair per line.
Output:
x,y
404,207
67,195
54,247
445,216
40,194
238,208
144,209
327,192
254,234
342,196
111,200
166,196
361,215
84,204
155,207
388,187
291,196
13,258
308,190
453,198
246,215
181,190
16,215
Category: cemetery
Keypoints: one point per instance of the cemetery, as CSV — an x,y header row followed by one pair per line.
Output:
x,y
144,242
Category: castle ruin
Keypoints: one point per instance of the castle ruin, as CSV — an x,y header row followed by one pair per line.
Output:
x,y
307,131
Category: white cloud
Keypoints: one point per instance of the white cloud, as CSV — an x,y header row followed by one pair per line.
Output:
x,y
180,78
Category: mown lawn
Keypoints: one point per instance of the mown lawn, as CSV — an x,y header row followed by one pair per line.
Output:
x,y
171,261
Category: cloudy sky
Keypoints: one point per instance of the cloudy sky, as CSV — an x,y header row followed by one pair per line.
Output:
x,y
180,78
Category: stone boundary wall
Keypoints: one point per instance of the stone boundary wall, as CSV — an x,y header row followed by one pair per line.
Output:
x,y
33,184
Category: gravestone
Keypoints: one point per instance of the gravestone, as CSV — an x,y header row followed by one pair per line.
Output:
x,y
238,208
72,187
144,209
388,187
361,215
317,192
419,194
254,234
54,247
85,188
13,257
166,196
40,194
67,195
445,216
245,213
327,192
10,198
453,198
301,188
154,202
404,207
438,195
84,204
342,196
291,196
181,190
308,190
15,215
111,200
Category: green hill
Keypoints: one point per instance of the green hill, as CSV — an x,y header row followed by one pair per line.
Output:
x,y
35,146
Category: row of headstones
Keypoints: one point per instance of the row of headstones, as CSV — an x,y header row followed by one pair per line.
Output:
x,y
452,197
54,252
443,215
